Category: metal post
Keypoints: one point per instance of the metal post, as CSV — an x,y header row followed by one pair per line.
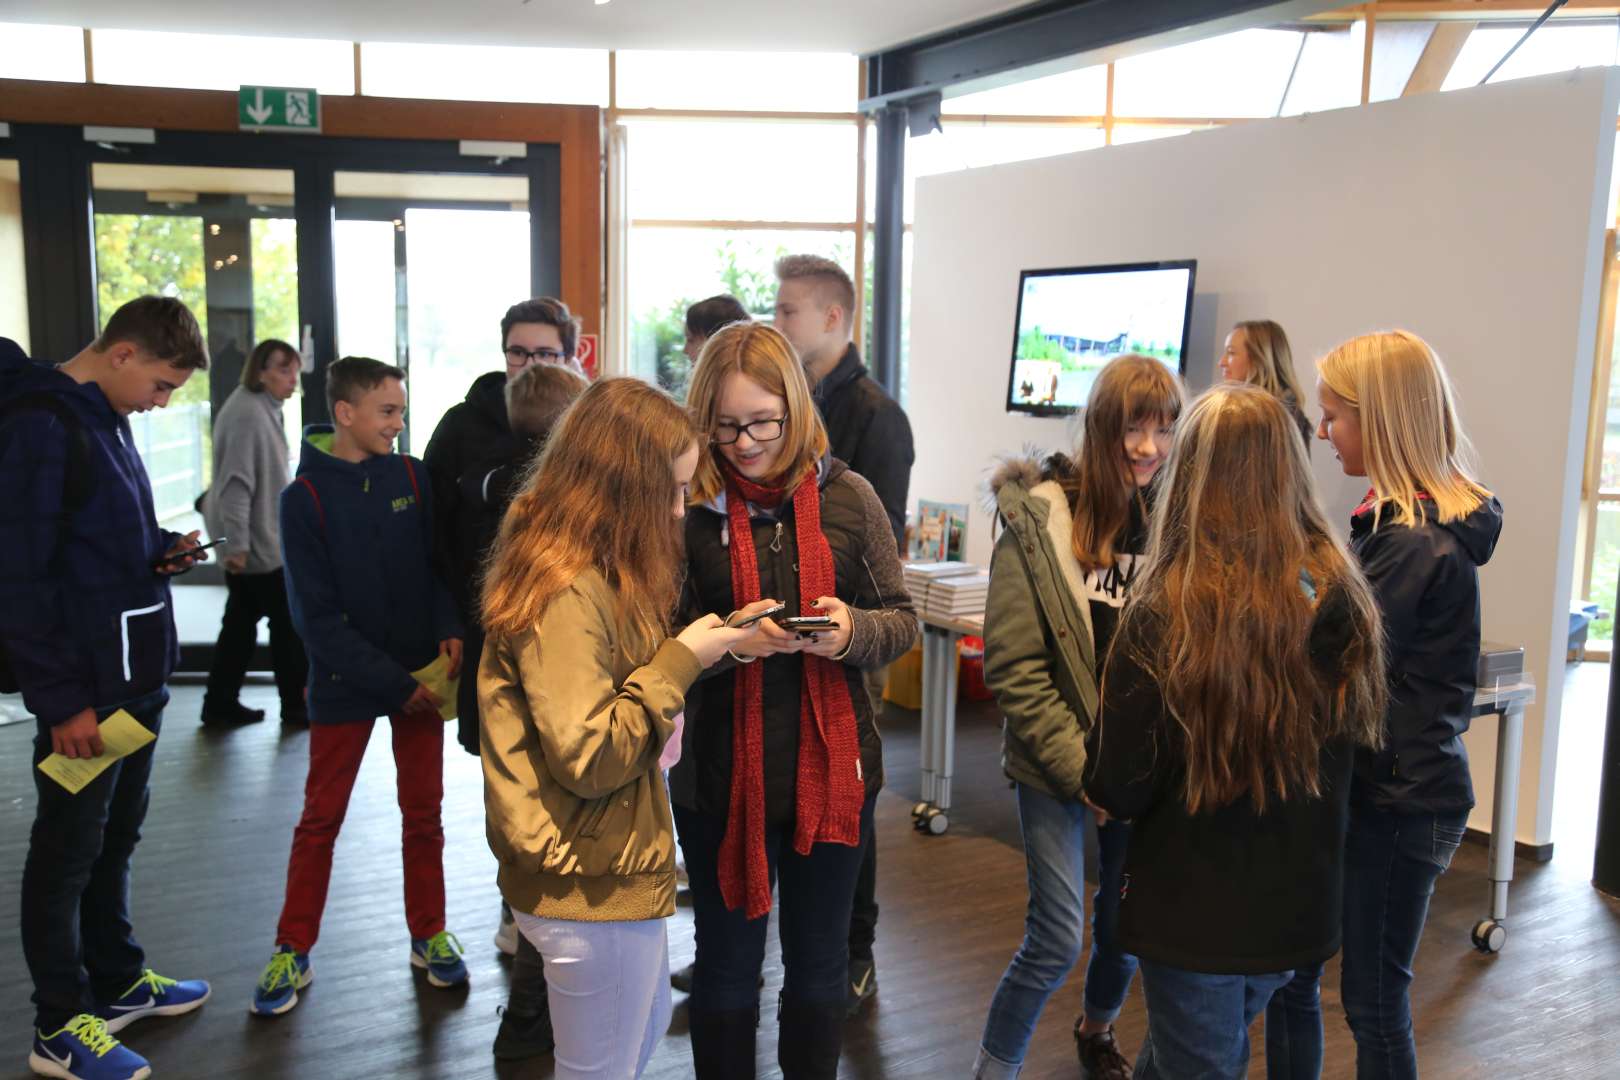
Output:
x,y
1505,814
889,230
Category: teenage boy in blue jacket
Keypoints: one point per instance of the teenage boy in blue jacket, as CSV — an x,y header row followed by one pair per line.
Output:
x,y
357,541
86,629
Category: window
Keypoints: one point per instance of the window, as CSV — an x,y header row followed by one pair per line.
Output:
x,y
1240,74
1550,49
671,268
221,62
1329,71
54,53
13,282
768,82
742,170
1135,133
485,73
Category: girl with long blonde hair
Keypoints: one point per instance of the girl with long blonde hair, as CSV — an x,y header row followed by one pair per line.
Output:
x,y
1421,534
781,760
1257,352
578,691
1244,674
1075,532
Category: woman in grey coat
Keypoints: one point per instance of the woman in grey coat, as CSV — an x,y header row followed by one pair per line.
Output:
x,y
250,469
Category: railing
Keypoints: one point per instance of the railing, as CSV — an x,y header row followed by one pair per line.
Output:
x,y
172,443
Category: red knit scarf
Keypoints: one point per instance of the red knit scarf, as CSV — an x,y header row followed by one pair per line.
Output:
x,y
830,787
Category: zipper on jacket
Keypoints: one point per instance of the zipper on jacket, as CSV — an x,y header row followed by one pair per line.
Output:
x,y
776,541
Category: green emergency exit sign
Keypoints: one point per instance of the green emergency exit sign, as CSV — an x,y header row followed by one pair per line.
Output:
x,y
278,108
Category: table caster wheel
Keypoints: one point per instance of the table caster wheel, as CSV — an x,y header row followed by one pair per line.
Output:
x,y
935,823
1489,936
920,811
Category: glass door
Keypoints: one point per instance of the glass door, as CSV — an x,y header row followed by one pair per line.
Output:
x,y
425,266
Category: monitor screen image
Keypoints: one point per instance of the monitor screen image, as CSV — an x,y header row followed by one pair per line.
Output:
x,y
1073,321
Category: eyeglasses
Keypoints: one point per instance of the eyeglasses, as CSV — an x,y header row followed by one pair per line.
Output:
x,y
759,430
519,355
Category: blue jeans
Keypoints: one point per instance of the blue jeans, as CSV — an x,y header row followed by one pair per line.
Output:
x,y
1198,1025
77,938
814,900
1391,863
1054,852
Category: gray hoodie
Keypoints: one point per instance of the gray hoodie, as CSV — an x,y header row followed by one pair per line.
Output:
x,y
250,469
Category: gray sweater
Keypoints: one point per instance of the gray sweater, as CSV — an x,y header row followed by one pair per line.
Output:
x,y
250,469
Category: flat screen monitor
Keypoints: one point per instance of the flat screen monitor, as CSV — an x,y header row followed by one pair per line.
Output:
x,y
1072,321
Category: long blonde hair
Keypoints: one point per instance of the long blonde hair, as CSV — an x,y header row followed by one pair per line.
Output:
x,y
1271,359
1222,618
1412,443
762,354
1130,389
600,497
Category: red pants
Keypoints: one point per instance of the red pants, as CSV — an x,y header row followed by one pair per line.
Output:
x,y
335,751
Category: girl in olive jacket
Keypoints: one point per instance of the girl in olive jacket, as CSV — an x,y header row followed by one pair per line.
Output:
x,y
1058,579
578,691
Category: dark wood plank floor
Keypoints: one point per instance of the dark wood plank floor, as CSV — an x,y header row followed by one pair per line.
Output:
x,y
210,871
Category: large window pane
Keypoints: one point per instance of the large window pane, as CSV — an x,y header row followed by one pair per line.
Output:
x,y
1135,133
1069,93
735,171
773,82
367,291
1550,49
275,299
221,62
1329,72
1240,74
55,53
485,73
13,280
673,268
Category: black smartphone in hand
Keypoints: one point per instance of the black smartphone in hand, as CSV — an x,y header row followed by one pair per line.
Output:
x,y
809,624
758,615
187,553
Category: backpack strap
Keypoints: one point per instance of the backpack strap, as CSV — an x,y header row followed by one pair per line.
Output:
x,y
410,470
319,512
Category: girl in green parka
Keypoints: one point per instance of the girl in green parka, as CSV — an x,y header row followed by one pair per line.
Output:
x,y
1075,532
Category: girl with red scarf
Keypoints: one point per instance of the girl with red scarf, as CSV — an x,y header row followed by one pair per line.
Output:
x,y
781,759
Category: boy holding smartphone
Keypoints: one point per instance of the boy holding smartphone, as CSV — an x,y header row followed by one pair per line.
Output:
x,y
357,542
87,629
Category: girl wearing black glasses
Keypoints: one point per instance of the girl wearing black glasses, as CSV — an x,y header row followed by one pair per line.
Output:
x,y
781,759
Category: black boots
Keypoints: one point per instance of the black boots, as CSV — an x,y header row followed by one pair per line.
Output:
x,y
810,1040
723,1043
526,1021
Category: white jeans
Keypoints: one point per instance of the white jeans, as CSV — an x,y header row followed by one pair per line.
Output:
x,y
608,984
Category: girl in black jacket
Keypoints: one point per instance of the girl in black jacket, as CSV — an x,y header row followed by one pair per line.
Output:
x,y
1244,673
780,759
1421,535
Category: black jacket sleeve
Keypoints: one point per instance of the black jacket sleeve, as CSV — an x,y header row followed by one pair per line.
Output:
x,y
884,457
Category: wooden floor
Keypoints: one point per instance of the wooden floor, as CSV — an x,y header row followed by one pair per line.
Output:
x,y
209,876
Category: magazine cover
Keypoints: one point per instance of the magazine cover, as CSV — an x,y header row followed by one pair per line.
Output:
x,y
941,531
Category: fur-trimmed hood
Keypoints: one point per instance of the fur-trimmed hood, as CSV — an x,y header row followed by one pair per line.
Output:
x,y
1028,469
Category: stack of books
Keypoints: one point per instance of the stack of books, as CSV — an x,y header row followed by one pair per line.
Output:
x,y
947,590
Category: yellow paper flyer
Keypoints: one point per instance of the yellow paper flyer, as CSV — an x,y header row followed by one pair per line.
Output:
x,y
121,736
435,678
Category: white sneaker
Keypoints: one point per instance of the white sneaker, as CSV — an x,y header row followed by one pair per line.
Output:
x,y
506,937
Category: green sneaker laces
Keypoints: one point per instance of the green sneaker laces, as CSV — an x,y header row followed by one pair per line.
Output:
x,y
281,971
443,946
92,1032
152,981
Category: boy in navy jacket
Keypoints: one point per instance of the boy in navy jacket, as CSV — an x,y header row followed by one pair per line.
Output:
x,y
86,629
357,541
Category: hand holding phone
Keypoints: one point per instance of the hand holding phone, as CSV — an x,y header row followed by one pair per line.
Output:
x,y
185,554
807,624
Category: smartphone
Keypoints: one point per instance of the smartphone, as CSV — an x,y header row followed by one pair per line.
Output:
x,y
758,615
809,624
190,553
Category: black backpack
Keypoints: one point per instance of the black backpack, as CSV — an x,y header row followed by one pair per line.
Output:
x,y
77,483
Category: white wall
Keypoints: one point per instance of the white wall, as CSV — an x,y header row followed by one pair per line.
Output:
x,y
1474,218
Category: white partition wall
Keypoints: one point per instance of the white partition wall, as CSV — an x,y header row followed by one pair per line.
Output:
x,y
1474,218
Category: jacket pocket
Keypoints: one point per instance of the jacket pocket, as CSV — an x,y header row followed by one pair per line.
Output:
x,y
143,642
592,817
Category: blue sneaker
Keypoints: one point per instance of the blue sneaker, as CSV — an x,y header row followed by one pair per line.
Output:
x,y
441,956
85,1050
153,995
287,973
